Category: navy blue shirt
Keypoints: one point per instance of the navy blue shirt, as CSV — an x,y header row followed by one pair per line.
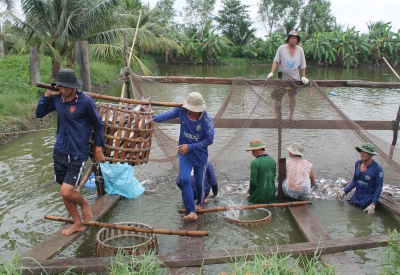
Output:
x,y
74,124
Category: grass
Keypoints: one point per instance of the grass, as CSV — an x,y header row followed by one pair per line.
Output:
x,y
18,98
274,264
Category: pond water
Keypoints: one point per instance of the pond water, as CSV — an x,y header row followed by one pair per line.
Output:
x,y
28,192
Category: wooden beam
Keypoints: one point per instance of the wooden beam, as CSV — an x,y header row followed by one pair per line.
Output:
x,y
58,242
261,82
313,231
189,245
99,264
299,124
390,204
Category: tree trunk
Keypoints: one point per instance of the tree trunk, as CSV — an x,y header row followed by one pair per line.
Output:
x,y
166,55
1,44
55,69
34,65
82,56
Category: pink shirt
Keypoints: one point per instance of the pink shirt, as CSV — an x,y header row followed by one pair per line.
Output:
x,y
298,173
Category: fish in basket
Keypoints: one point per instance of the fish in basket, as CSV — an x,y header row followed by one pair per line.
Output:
x,y
128,131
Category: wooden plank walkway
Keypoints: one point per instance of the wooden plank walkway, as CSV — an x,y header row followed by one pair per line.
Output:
x,y
189,246
57,242
172,260
390,204
313,231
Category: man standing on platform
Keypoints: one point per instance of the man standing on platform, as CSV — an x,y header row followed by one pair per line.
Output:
x,y
196,134
290,59
76,116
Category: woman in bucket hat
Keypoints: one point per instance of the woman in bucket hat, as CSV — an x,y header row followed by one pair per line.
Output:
x,y
291,60
299,174
367,179
196,134
76,116
262,175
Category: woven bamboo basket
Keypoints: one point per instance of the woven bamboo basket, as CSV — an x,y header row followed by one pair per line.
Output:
x,y
127,136
110,240
250,223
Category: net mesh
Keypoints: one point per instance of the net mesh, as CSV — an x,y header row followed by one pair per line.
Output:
x,y
244,110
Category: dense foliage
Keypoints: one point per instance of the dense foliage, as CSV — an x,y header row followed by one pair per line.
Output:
x,y
196,34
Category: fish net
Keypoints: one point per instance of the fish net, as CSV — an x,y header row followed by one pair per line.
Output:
x,y
243,109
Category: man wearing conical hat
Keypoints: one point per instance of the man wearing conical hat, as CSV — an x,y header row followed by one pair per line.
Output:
x,y
263,173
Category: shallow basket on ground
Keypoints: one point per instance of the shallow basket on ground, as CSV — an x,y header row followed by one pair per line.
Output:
x,y
128,132
110,240
250,223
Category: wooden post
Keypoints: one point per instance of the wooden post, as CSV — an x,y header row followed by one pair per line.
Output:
x,y
395,133
281,178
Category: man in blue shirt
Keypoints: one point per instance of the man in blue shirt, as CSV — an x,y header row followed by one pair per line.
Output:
x,y
196,134
76,116
367,179
210,182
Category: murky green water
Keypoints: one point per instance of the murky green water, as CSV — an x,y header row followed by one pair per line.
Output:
x,y
26,181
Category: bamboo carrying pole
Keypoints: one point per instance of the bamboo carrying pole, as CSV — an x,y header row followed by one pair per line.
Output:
x,y
247,207
133,228
118,99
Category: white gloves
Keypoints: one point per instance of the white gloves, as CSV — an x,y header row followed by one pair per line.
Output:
x,y
303,79
270,75
340,195
370,209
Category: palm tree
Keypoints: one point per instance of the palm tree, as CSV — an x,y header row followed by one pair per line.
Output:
x,y
55,25
9,6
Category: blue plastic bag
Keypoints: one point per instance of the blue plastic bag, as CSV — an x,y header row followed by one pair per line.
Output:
x,y
119,179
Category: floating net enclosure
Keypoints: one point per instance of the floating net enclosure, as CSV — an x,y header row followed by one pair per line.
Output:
x,y
243,110
110,240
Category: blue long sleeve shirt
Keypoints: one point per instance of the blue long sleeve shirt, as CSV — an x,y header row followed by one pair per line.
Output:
x,y
197,134
368,184
75,120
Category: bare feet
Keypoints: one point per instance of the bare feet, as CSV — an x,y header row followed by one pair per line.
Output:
x,y
74,228
198,207
191,217
292,118
207,200
86,211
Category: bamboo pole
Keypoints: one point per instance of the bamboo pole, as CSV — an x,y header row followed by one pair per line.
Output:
x,y
247,207
131,52
118,99
133,228
391,68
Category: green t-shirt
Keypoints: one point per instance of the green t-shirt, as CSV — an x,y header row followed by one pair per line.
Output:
x,y
262,180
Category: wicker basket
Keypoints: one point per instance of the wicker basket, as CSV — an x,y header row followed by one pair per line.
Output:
x,y
110,240
127,136
250,223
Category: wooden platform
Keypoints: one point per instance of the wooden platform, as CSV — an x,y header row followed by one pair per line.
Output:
x,y
58,242
313,231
